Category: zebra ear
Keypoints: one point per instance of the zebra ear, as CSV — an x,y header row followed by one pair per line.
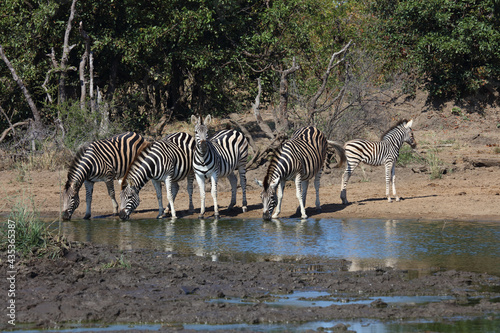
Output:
x,y
259,182
208,120
195,120
409,124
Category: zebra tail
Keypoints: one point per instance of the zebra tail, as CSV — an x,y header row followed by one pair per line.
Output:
x,y
339,149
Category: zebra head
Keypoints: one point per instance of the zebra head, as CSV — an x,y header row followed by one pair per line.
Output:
x,y
269,199
71,200
129,200
409,138
201,131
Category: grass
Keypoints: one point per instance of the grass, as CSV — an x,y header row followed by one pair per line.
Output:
x,y
121,262
408,156
32,236
435,164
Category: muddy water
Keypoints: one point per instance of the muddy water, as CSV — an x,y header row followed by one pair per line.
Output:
x,y
421,246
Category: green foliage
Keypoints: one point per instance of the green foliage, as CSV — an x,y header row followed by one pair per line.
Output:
x,y
121,262
435,164
83,126
452,44
32,236
408,156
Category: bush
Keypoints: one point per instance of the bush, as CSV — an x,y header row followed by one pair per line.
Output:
x,y
32,236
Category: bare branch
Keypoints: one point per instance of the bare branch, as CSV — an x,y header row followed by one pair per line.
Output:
x,y
83,61
312,105
281,117
11,128
27,95
255,108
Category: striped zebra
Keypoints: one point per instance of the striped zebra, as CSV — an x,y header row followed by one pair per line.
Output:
x,y
101,161
300,158
169,160
219,157
384,152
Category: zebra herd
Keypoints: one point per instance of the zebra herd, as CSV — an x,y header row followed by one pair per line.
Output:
x,y
180,156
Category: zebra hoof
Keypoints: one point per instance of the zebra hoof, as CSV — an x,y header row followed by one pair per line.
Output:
x,y
161,216
244,209
398,199
201,216
86,217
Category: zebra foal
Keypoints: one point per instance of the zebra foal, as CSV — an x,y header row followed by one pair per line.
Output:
x,y
219,157
169,160
384,152
301,158
101,161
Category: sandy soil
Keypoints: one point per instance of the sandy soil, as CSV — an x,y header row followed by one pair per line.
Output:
x,y
466,193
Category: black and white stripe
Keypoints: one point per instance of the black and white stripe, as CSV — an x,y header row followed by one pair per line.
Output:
x,y
169,160
219,157
376,153
101,161
300,158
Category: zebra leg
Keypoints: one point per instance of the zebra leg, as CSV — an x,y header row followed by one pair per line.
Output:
x,y
111,192
234,182
201,185
388,168
89,189
243,183
317,179
345,178
393,174
214,194
299,184
171,189
159,197
279,194
190,179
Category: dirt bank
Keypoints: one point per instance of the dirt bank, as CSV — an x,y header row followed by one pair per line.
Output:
x,y
100,284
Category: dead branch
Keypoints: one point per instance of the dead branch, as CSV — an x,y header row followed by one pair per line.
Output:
x,y
83,61
260,157
11,128
64,59
256,111
281,116
312,105
27,95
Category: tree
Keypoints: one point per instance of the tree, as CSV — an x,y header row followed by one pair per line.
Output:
x,y
452,44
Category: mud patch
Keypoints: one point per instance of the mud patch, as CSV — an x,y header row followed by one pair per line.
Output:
x,y
150,287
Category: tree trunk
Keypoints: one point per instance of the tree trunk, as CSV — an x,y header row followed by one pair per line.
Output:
x,y
83,62
281,116
64,59
31,103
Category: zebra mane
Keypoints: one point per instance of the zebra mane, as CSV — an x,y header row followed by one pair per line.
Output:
x,y
404,121
270,169
143,148
74,163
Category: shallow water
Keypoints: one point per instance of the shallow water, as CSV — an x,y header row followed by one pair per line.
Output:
x,y
424,246
455,325
324,299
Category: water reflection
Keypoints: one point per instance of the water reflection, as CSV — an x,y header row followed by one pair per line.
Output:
x,y
406,244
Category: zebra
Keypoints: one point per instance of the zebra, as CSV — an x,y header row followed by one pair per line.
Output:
x,y
376,153
101,161
219,157
169,160
301,158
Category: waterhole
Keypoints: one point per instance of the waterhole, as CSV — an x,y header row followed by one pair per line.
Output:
x,y
423,246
